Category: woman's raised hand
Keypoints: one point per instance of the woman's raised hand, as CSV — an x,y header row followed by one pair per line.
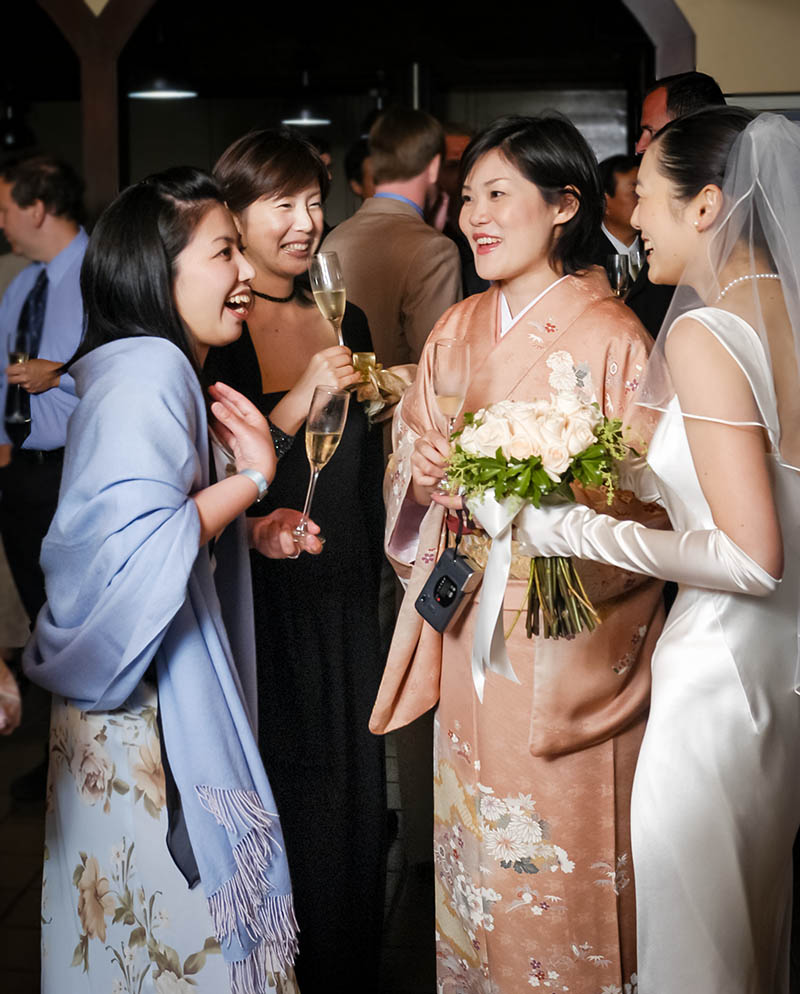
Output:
x,y
244,430
332,367
428,463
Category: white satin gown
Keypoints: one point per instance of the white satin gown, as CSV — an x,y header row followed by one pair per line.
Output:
x,y
716,798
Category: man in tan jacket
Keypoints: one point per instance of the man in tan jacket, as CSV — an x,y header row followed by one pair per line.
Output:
x,y
399,270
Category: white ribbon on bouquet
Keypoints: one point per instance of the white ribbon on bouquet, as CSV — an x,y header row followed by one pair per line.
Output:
x,y
489,643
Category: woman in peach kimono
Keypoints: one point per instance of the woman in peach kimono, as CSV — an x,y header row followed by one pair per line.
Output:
x,y
534,884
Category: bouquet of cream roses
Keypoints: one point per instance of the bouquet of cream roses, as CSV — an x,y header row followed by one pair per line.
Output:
x,y
524,452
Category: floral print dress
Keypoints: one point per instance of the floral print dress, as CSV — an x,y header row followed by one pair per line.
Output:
x,y
117,915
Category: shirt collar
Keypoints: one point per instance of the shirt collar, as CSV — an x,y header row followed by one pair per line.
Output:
x,y
59,264
621,247
402,199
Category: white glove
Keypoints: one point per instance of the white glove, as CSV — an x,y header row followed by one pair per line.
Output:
x,y
635,475
697,558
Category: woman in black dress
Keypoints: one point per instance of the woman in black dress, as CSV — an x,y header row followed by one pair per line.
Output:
x,y
316,618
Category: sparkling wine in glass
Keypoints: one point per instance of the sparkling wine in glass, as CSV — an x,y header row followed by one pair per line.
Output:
x,y
618,273
635,261
327,285
17,410
450,377
324,427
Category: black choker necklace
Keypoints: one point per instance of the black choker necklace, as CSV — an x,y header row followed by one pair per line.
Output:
x,y
275,300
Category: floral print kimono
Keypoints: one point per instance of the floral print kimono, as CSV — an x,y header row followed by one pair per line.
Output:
x,y
534,884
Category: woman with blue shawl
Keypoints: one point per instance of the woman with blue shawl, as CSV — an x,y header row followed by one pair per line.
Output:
x,y
146,640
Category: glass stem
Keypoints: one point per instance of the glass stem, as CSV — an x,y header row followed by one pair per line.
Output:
x,y
302,527
337,327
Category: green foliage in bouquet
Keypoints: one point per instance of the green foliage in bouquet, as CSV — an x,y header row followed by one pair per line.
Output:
x,y
557,604
596,466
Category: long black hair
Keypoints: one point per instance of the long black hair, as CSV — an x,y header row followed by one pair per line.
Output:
x,y
128,271
550,152
693,151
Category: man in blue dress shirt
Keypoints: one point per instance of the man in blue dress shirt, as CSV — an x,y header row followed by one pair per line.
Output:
x,y
41,315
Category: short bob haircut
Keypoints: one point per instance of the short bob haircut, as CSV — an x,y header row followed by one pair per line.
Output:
x,y
551,153
128,272
693,151
269,163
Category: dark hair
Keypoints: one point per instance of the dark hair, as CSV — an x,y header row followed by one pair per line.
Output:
x,y
403,143
611,167
550,152
268,163
688,92
128,271
43,177
354,160
693,150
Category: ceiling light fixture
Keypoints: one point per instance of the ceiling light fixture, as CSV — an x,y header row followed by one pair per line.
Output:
x,y
306,118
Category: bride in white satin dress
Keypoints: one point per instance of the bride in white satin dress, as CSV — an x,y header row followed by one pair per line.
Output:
x,y
716,803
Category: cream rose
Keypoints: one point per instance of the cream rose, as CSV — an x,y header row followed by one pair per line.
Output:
x,y
528,440
486,439
91,767
579,436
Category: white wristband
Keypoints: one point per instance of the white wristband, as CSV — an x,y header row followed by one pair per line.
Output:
x,y
260,481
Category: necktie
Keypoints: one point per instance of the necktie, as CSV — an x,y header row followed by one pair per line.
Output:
x,y
29,336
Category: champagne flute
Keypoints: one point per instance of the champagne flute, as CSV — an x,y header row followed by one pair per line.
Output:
x,y
327,285
450,378
17,411
635,261
324,427
618,273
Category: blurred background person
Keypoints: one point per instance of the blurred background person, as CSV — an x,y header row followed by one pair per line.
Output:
x,y
399,270
358,169
618,179
667,99
41,322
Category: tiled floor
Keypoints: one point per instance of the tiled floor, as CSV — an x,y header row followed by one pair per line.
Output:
x,y
408,958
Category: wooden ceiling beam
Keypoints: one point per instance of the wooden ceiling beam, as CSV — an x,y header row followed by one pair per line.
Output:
x,y
97,41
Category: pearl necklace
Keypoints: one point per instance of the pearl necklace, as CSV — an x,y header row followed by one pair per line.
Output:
x,y
741,279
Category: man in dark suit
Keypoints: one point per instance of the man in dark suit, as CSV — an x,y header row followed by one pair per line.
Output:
x,y
667,98
618,178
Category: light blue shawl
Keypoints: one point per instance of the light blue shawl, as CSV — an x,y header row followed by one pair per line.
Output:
x,y
126,584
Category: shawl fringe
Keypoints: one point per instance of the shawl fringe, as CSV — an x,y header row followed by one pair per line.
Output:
x,y
255,974
244,901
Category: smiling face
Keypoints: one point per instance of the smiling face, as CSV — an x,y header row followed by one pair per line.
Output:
x,y
669,235
281,233
211,288
510,226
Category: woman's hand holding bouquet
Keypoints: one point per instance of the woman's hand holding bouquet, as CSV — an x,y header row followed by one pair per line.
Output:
x,y
511,457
